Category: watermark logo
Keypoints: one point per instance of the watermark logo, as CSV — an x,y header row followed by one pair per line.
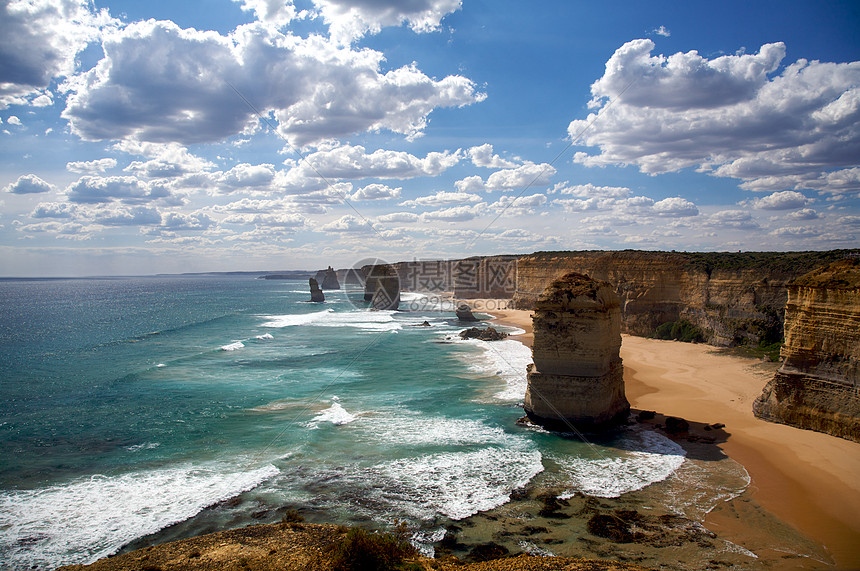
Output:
x,y
484,284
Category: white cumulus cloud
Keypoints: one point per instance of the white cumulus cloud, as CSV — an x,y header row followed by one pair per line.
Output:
x,y
160,83
734,116
29,184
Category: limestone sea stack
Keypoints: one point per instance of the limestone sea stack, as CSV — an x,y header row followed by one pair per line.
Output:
x,y
577,375
382,287
317,295
330,279
817,386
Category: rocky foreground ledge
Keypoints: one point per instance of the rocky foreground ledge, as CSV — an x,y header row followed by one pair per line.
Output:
x,y
305,546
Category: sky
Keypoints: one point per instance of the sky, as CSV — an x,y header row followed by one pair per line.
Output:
x,y
224,135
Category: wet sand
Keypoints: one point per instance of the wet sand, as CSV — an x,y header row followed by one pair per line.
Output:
x,y
806,479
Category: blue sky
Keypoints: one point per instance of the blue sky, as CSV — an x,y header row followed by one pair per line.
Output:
x,y
419,129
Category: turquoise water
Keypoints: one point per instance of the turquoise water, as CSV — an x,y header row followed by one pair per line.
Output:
x,y
180,405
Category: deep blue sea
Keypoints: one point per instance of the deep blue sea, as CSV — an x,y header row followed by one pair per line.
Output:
x,y
182,405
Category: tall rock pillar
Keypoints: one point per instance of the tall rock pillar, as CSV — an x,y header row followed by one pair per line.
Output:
x,y
577,375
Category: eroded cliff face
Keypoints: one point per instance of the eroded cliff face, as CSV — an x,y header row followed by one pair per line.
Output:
x,y
732,298
577,375
817,386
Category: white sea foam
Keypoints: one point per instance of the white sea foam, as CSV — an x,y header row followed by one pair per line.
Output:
x,y
235,346
143,446
506,359
364,320
161,365
335,414
455,484
407,428
642,458
279,321
93,517
265,337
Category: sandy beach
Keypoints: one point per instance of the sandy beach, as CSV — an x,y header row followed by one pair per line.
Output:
x,y
806,479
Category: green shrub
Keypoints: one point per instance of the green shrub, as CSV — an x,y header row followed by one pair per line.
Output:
x,y
362,550
679,331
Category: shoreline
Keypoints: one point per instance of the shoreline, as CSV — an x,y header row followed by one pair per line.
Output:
x,y
805,479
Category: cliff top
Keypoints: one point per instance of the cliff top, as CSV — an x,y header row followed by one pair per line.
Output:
x,y
844,274
573,284
574,291
786,263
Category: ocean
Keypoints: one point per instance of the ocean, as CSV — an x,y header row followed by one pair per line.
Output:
x,y
138,410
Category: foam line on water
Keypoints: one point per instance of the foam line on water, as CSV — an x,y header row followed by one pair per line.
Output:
x,y
506,359
90,518
642,458
365,320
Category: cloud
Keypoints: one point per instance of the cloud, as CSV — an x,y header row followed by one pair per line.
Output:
x,y
797,232
443,198
675,207
177,221
91,167
353,162
39,41
662,31
483,157
13,120
802,214
349,20
54,210
589,190
740,219
245,176
732,116
527,175
28,184
276,12
160,83
376,192
455,214
121,215
785,200
519,206
95,189
347,224
399,217
470,184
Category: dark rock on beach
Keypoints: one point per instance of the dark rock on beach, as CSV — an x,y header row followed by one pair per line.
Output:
x,y
488,334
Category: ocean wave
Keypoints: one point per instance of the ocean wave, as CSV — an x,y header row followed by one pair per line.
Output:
x,y
93,517
335,414
265,337
236,345
506,359
454,484
641,458
361,319
406,428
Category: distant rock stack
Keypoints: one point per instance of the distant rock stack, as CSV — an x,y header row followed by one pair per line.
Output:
x,y
382,287
817,386
330,279
464,312
577,376
316,293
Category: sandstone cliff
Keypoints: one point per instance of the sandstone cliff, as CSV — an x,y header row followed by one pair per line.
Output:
x,y
577,376
817,386
733,298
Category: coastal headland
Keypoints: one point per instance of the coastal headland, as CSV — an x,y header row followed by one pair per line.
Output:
x,y
806,479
